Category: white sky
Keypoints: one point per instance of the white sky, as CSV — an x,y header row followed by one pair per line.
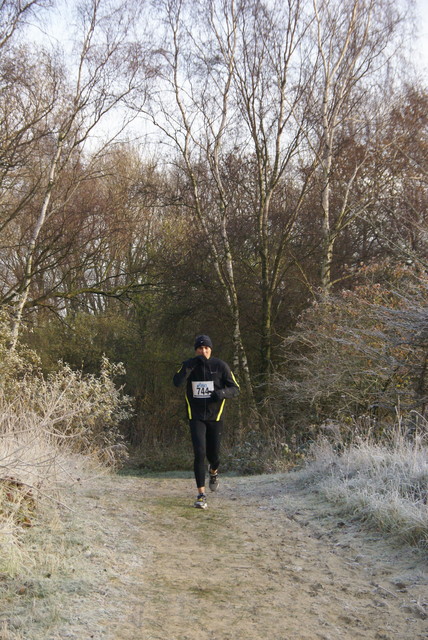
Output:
x,y
58,26
420,43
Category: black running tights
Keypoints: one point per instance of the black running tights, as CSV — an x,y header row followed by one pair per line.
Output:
x,y
206,437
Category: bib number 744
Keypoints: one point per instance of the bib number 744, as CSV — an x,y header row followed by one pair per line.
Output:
x,y
202,389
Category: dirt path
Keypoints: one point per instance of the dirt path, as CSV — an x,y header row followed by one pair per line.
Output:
x,y
276,563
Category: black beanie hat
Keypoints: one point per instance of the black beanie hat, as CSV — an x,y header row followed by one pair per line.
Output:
x,y
203,341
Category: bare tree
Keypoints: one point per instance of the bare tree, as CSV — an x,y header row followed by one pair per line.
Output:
x,y
399,219
233,71
29,91
197,64
272,86
13,14
105,71
354,39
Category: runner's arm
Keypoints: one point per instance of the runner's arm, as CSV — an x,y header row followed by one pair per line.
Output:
x,y
185,370
230,388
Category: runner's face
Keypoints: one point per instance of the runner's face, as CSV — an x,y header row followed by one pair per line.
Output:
x,y
204,351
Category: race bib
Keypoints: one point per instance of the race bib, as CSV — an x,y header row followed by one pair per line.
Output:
x,y
202,389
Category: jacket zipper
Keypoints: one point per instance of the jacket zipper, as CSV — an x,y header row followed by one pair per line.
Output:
x,y
205,399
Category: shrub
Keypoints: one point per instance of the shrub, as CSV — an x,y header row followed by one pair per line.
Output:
x,y
362,353
44,422
46,425
15,364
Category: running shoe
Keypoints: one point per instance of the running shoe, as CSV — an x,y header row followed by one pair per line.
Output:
x,y
213,480
201,501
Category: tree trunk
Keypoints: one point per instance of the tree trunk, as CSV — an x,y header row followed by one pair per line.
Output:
x,y
23,294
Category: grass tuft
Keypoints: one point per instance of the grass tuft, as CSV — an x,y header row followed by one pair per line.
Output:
x,y
384,484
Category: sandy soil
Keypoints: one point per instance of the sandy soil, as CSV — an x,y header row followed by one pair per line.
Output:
x,y
266,559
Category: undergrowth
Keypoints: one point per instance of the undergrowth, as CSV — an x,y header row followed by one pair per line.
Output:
x,y
382,483
51,429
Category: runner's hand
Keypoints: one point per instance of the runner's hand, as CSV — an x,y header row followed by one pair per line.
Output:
x,y
217,395
191,363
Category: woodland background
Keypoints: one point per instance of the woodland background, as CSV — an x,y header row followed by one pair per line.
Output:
x,y
254,170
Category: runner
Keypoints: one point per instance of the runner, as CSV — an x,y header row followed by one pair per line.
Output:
x,y
209,382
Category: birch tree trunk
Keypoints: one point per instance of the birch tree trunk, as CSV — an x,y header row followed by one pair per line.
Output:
x,y
22,296
198,135
272,100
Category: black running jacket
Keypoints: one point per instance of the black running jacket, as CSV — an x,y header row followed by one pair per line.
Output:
x,y
209,383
